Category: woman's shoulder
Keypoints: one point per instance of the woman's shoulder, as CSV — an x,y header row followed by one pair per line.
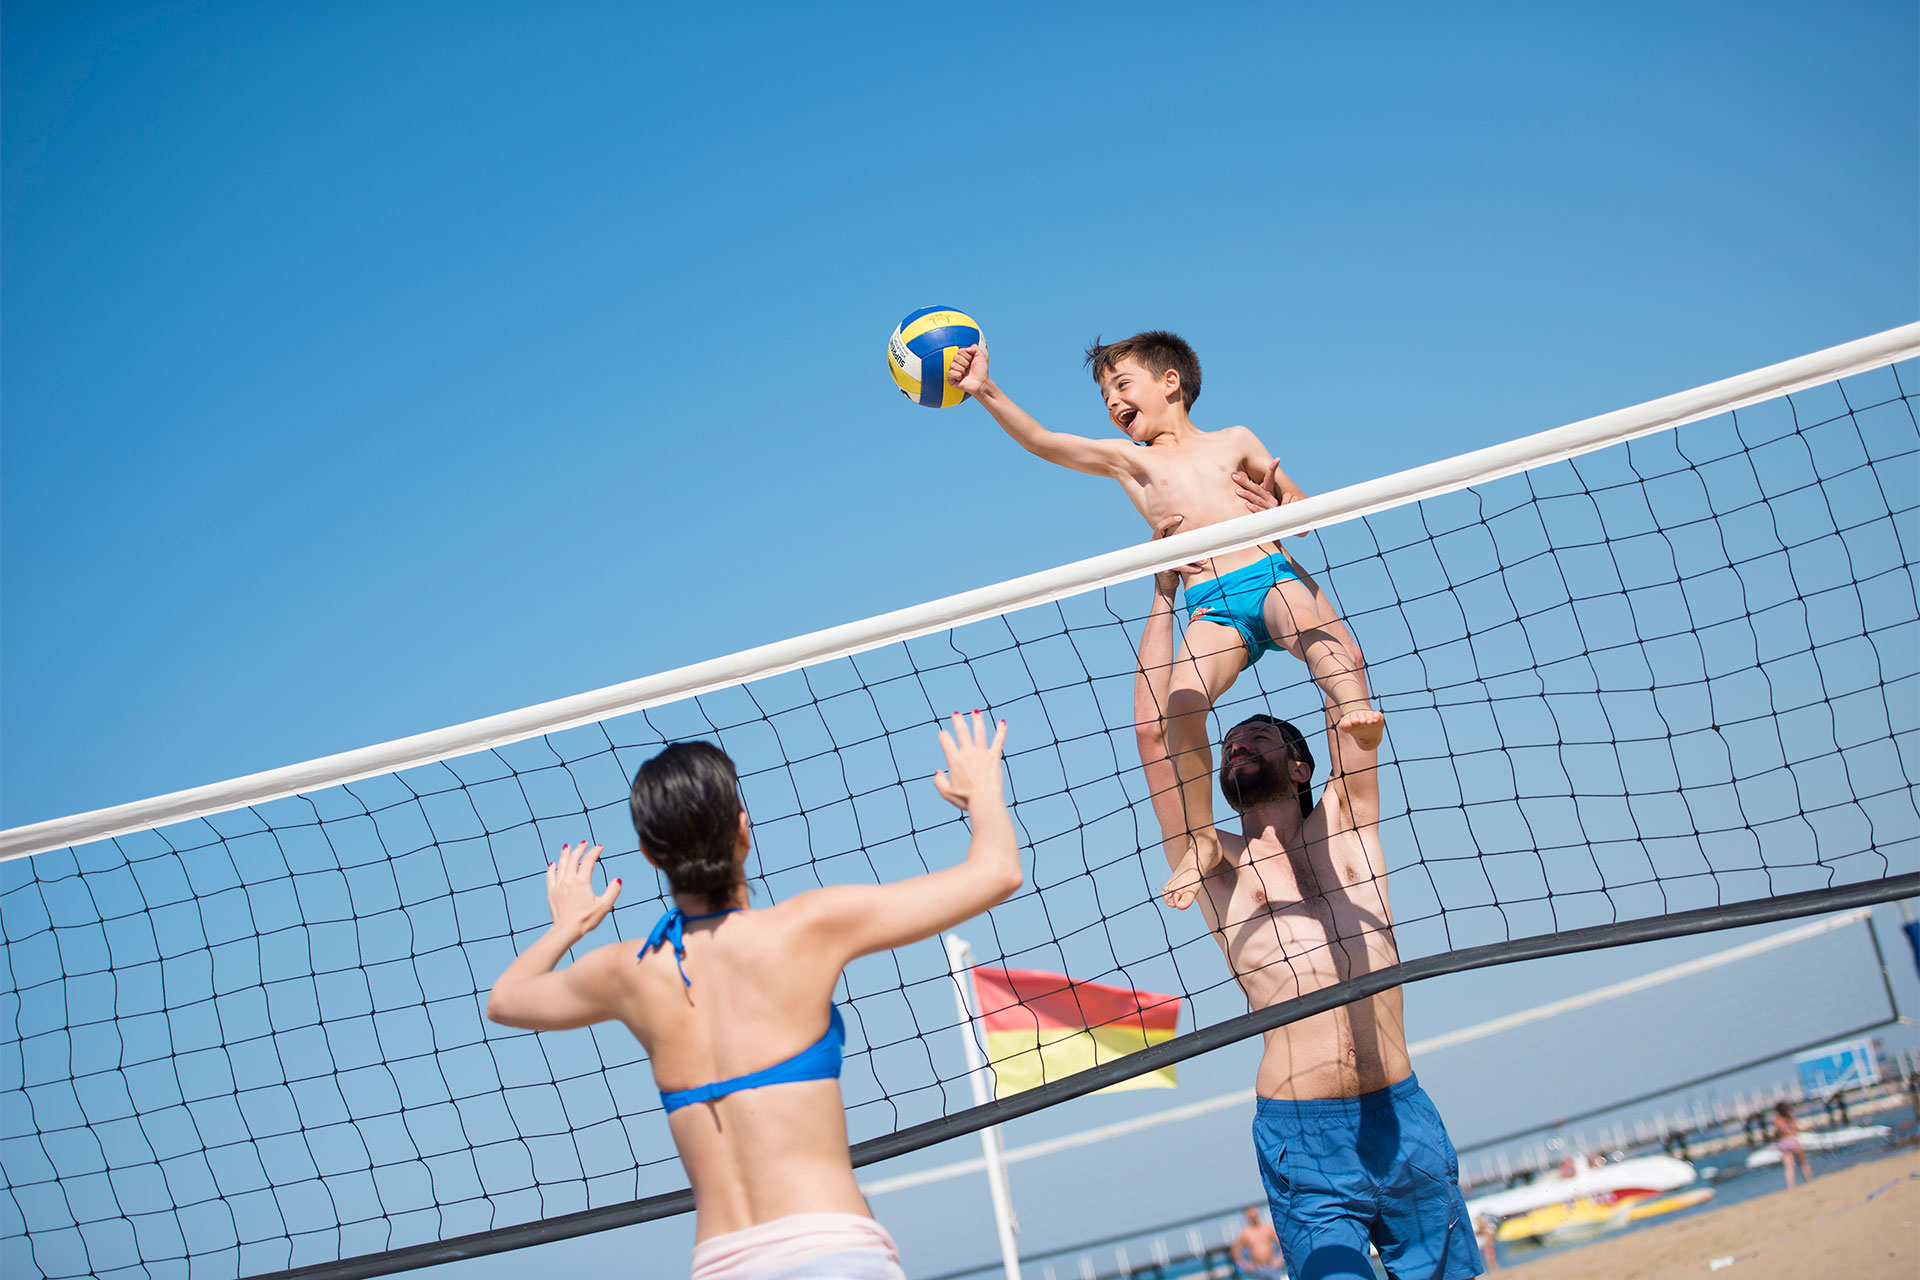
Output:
x,y
803,910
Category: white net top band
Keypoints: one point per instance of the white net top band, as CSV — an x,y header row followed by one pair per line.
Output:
x,y
1352,502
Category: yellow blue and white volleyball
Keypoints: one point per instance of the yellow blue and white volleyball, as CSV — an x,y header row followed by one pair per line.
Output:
x,y
921,350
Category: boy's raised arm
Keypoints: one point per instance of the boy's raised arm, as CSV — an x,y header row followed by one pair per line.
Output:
x,y
1095,457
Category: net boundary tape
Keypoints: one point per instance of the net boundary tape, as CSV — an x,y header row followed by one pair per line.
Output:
x,y
1351,503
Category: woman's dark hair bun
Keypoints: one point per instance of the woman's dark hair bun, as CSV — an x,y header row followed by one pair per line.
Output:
x,y
686,808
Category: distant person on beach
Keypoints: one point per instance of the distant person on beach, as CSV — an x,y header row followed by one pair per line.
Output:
x,y
1487,1234
1256,1251
1786,1131
1351,1150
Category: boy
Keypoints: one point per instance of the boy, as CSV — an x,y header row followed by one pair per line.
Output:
x,y
1241,603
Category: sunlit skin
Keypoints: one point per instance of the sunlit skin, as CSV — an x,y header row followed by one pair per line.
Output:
x,y
1181,478
762,981
1786,1132
1297,902
1257,1245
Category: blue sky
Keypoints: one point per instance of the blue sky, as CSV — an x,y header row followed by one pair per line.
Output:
x,y
369,369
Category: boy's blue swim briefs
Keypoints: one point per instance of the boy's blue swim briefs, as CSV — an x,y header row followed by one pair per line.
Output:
x,y
1239,599
1343,1172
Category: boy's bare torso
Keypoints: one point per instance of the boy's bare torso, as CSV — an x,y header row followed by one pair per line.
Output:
x,y
1294,921
1191,475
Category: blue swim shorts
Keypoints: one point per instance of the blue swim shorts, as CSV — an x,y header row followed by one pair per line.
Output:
x,y
1239,600
1345,1172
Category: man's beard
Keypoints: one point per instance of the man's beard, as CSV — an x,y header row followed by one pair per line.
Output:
x,y
1251,781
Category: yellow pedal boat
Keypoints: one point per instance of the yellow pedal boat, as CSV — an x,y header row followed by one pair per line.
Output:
x,y
1559,1222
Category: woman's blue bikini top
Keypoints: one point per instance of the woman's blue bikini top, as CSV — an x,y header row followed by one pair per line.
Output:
x,y
818,1061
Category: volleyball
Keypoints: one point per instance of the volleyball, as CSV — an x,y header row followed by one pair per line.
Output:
x,y
921,350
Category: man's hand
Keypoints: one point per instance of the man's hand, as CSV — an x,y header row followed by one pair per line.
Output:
x,y
1282,485
1167,580
969,369
1275,490
1256,495
570,894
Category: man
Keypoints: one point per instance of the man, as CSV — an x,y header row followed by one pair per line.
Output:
x,y
1256,1250
1351,1150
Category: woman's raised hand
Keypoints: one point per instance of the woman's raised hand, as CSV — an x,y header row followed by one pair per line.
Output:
x,y
570,894
972,774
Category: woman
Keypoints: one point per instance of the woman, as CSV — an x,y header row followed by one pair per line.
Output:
x,y
1786,1131
734,1006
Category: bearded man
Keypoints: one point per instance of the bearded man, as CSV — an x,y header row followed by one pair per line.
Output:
x,y
1351,1150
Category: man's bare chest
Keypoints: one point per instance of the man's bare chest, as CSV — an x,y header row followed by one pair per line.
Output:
x,y
1288,901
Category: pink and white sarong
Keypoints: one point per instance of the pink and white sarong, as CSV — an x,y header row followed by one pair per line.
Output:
x,y
801,1246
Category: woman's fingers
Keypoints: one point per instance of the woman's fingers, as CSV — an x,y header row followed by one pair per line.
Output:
x,y
575,860
964,744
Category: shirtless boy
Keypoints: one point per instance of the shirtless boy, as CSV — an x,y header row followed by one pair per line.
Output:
x,y
1241,603
1351,1150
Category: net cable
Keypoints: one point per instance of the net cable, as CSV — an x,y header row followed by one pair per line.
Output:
x,y
1651,674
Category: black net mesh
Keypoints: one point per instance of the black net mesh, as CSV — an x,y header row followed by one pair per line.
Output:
x,y
1648,1042
1669,674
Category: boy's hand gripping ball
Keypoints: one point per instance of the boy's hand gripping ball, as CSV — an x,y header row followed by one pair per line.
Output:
x,y
922,348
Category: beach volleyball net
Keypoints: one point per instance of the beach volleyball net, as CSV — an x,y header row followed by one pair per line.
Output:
x,y
1647,674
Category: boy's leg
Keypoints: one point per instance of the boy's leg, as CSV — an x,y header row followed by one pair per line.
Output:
x,y
1301,620
1211,657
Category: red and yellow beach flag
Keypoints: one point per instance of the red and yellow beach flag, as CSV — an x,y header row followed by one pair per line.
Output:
x,y
1042,1026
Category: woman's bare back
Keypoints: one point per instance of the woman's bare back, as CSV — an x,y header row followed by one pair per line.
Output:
x,y
759,994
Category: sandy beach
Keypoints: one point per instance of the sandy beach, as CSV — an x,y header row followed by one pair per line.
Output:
x,y
1827,1228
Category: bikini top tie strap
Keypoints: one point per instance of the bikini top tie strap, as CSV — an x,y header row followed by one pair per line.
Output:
x,y
671,927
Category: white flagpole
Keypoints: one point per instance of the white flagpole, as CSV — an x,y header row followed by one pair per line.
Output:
x,y
960,965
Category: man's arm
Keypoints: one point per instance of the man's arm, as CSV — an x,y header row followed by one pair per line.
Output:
x,y
1353,775
1095,457
1154,676
1265,470
1151,681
